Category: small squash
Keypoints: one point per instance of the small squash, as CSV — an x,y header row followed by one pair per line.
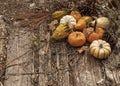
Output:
x,y
68,20
76,15
101,32
83,22
61,32
95,35
100,49
59,14
76,39
102,22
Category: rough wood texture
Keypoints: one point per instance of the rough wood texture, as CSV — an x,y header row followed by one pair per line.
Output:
x,y
35,59
3,41
19,60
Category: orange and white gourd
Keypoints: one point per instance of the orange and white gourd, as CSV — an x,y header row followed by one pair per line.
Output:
x,y
100,49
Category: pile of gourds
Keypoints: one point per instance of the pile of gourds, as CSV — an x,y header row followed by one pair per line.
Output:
x,y
81,29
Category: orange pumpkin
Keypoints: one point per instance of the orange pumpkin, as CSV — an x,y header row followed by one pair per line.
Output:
x,y
97,34
93,36
76,15
88,31
76,39
100,31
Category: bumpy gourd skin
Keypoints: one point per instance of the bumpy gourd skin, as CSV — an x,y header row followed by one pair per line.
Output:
x,y
100,49
68,20
61,32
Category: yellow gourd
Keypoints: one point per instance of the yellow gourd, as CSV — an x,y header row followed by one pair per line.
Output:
x,y
59,14
61,32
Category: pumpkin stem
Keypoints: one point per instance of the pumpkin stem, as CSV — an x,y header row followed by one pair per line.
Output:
x,y
76,34
101,45
95,24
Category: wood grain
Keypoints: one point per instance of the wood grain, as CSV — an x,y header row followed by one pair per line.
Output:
x,y
52,63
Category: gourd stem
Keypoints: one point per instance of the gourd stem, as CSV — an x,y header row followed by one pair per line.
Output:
x,y
95,24
101,46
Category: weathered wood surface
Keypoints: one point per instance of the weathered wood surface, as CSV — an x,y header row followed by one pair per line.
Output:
x,y
19,60
51,63
3,41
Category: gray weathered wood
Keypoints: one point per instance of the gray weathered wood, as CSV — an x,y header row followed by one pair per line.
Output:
x,y
19,60
3,41
52,63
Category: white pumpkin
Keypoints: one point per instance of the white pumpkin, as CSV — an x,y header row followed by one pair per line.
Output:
x,y
100,49
102,22
68,20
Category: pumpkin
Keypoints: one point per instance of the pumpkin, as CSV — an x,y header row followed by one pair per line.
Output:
x,y
101,32
76,15
59,14
68,20
95,35
102,22
83,22
100,49
61,32
76,39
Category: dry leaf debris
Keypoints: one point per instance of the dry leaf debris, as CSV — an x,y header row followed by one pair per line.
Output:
x,y
82,49
52,24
